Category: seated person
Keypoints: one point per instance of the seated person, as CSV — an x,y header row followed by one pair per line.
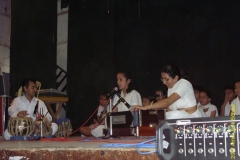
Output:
x,y
235,105
180,101
206,108
146,100
159,95
96,129
24,106
197,89
127,92
229,96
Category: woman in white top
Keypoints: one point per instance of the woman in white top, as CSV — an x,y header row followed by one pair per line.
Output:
x,y
127,92
181,102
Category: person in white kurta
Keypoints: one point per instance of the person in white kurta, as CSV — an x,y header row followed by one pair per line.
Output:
x,y
181,102
132,98
235,105
207,109
96,129
228,98
24,106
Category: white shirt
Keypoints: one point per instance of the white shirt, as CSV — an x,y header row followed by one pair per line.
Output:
x,y
236,103
101,108
185,90
210,108
22,104
227,109
132,98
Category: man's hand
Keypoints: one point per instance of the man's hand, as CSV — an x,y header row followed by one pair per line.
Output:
x,y
22,114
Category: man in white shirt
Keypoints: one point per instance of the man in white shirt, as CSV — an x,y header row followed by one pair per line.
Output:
x,y
24,106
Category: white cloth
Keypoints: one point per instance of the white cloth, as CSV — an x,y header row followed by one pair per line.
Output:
x,y
227,109
21,103
210,108
98,131
236,103
185,90
54,127
132,98
101,108
179,114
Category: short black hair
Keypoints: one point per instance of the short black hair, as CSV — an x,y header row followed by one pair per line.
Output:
x,y
128,75
26,81
231,87
198,88
208,93
172,70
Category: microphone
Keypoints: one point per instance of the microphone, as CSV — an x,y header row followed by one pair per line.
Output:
x,y
35,110
123,100
115,89
154,97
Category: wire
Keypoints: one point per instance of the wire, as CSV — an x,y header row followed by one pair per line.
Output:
x,y
144,144
83,123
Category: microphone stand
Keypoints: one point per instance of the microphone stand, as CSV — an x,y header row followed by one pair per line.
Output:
x,y
110,117
135,115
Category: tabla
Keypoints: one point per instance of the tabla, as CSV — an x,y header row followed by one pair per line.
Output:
x,y
20,126
64,127
46,127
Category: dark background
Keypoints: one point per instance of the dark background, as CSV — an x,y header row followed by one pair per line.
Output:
x,y
201,37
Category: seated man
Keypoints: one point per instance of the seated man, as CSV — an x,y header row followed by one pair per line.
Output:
x,y
24,106
96,129
229,97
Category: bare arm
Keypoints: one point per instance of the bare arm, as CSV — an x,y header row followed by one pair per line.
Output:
x,y
213,113
162,104
223,107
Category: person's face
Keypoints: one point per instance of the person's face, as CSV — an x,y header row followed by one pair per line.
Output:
x,y
204,99
197,95
122,82
31,89
103,101
162,96
229,94
145,101
167,80
237,89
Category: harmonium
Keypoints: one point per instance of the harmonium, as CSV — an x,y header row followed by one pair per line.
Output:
x,y
149,120
125,123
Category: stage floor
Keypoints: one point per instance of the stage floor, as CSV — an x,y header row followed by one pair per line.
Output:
x,y
74,147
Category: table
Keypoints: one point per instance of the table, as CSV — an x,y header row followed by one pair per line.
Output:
x,y
49,96
48,100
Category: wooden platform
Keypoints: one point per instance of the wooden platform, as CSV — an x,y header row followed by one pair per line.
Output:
x,y
73,148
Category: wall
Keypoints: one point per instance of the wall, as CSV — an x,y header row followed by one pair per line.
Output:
x,y
5,26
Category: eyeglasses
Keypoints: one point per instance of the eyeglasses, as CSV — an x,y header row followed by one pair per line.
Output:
x,y
165,79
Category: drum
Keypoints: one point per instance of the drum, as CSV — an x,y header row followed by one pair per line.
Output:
x,y
46,127
20,126
64,127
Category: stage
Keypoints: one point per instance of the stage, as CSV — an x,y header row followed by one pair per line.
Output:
x,y
74,148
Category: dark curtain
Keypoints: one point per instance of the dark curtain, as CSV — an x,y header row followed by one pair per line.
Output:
x,y
33,42
201,37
